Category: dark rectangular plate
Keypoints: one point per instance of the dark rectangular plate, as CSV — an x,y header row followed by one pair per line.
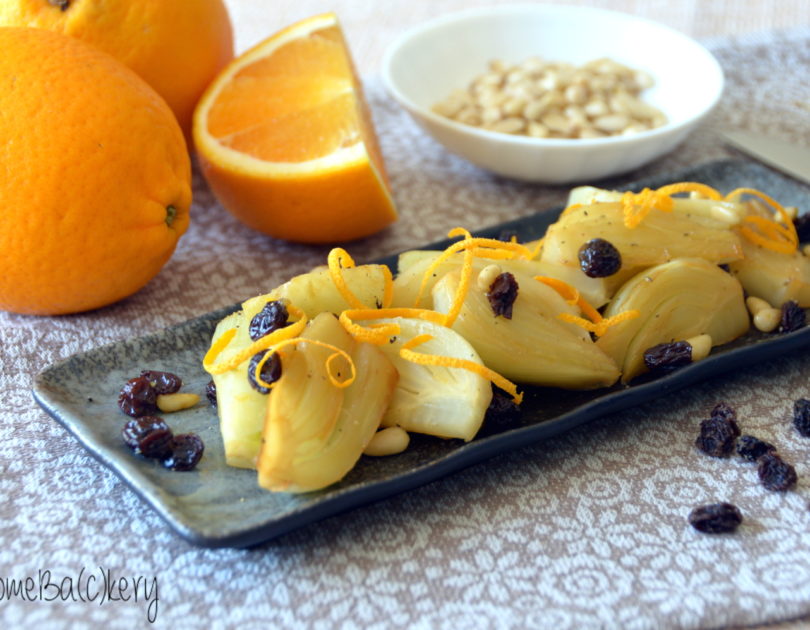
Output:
x,y
219,506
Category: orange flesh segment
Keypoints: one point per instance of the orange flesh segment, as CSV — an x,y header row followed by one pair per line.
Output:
x,y
314,114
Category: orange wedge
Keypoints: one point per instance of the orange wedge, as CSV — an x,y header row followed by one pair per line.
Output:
x,y
286,141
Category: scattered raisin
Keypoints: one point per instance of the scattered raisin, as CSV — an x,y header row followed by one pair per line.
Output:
x,y
270,372
163,382
717,436
802,224
599,258
793,317
273,316
138,397
149,436
716,518
502,412
502,294
668,356
751,448
186,451
211,393
776,474
507,235
726,412
62,5
801,416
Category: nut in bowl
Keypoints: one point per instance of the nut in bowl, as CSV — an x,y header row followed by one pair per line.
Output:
x,y
429,63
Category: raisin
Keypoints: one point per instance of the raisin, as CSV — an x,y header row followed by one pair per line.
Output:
x,y
716,518
211,393
507,235
775,473
802,224
149,436
186,451
801,416
273,316
270,372
793,317
717,436
751,448
163,382
138,397
502,294
502,412
726,412
599,258
668,356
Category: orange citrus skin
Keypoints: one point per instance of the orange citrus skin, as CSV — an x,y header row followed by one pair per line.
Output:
x,y
286,141
323,208
177,46
92,160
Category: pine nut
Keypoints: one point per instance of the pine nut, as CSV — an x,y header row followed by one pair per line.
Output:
x,y
767,319
556,100
388,441
755,304
701,346
487,276
168,403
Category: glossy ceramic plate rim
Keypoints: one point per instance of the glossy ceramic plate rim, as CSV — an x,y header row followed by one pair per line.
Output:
x,y
343,499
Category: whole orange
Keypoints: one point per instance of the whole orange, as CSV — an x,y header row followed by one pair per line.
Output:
x,y
177,46
96,182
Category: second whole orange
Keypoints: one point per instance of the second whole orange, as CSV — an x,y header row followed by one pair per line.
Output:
x,y
176,46
96,183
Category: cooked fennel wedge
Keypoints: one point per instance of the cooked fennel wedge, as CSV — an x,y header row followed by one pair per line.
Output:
x,y
677,300
448,402
413,265
314,431
240,407
534,346
775,277
660,237
711,211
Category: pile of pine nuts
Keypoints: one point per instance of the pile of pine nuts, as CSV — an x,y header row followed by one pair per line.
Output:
x,y
544,99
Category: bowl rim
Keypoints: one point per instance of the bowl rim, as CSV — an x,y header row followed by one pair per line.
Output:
x,y
529,141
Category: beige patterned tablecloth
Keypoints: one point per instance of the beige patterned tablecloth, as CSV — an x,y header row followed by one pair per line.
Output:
x,y
586,530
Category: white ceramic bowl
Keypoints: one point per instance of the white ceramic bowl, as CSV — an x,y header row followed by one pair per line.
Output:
x,y
423,65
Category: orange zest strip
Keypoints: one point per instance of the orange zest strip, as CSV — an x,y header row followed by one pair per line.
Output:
x,y
600,327
329,361
464,281
407,353
265,343
338,260
636,206
482,248
703,189
571,295
778,237
379,334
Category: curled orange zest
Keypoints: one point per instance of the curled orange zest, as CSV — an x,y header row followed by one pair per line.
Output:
x,y
464,279
407,353
779,236
379,334
330,359
338,260
636,206
702,189
482,248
